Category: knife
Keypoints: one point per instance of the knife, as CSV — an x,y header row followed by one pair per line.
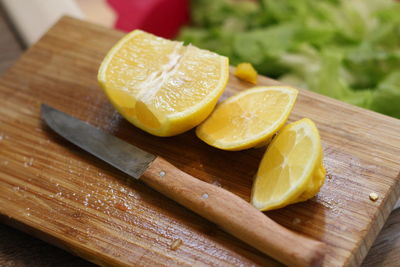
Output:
x,y
230,212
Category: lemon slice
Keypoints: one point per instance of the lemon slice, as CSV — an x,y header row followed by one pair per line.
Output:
x,y
161,86
249,118
291,169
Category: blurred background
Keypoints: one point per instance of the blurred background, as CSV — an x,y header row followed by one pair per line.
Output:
x,y
345,49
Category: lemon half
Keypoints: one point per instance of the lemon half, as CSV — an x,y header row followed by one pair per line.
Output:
x,y
162,86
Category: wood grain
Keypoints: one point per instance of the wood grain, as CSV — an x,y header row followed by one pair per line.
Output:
x,y
386,249
233,214
59,193
17,249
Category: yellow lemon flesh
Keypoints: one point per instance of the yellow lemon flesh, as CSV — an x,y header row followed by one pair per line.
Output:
x,y
291,169
249,118
246,72
161,86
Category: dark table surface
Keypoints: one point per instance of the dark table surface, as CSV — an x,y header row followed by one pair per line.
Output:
x,y
18,249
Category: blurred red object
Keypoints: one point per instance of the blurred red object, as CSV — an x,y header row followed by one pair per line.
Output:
x,y
160,17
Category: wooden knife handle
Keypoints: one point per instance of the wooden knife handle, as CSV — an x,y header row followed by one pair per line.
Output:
x,y
234,215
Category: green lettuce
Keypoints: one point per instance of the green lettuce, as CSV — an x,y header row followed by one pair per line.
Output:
x,y
345,49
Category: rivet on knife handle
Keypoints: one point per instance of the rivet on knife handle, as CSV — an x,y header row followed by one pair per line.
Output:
x,y
234,215
220,206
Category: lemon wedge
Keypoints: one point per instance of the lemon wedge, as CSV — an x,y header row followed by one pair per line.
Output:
x,y
249,118
162,86
246,72
291,169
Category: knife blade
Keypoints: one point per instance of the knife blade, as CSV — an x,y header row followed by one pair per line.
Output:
x,y
121,155
218,205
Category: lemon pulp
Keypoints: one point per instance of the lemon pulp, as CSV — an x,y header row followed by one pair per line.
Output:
x,y
162,86
291,169
249,118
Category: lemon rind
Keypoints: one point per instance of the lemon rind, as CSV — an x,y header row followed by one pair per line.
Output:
x,y
298,188
261,137
101,76
168,121
215,93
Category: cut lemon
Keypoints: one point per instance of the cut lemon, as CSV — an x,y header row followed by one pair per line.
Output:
x,y
161,86
246,72
291,169
249,118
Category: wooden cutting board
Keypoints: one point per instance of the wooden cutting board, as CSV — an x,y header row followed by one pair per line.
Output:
x,y
57,192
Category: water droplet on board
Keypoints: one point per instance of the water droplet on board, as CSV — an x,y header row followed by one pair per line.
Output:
x,y
217,183
121,206
28,162
176,244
